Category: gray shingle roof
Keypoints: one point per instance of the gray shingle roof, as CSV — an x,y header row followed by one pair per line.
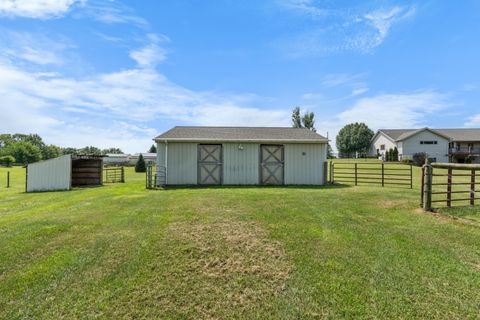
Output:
x,y
472,134
464,134
266,134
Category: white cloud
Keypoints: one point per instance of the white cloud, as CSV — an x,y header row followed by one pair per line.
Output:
x,y
473,121
333,31
32,48
39,9
393,111
111,12
151,54
124,108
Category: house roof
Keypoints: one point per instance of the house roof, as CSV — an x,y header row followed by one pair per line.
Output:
x,y
402,134
144,154
241,134
471,134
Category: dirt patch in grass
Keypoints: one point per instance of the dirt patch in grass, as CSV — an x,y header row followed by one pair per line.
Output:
x,y
232,264
389,204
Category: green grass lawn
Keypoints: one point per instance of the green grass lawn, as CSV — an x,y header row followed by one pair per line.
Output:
x,y
121,251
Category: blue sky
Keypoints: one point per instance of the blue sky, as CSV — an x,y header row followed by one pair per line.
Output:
x,y
117,73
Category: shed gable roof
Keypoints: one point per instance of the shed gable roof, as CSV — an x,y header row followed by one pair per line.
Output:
x,y
284,134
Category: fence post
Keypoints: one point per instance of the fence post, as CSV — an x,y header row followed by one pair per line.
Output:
x,y
123,175
331,173
472,188
383,174
422,186
8,179
427,196
411,177
449,187
356,175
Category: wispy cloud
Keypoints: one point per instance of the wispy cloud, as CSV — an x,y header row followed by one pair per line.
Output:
x,y
333,31
39,9
132,102
399,110
111,12
152,53
473,121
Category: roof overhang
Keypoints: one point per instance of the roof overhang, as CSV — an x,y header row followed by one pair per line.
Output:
x,y
320,141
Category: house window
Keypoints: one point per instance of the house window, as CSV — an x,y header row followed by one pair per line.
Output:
x,y
429,142
382,147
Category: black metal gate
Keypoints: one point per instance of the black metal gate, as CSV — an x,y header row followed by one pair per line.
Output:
x,y
210,163
272,164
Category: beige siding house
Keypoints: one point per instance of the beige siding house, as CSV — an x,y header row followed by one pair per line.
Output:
x,y
441,145
242,156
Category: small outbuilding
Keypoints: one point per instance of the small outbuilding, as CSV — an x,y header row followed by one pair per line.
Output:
x,y
65,172
242,156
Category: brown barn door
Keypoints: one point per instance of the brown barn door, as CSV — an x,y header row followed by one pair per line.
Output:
x,y
271,164
210,163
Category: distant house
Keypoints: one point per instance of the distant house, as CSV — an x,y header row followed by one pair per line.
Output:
x,y
116,159
242,156
441,145
147,156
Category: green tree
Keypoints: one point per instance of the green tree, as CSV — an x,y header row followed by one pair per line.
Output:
x,y
69,150
153,149
23,152
7,160
51,151
140,166
354,139
296,118
90,150
395,154
112,151
305,121
330,152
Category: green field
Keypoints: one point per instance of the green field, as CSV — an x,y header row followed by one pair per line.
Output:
x,y
121,251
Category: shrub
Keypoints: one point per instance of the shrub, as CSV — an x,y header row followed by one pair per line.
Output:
x,y
395,154
7,160
419,158
140,166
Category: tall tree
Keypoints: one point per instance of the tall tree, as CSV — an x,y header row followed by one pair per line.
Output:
x,y
296,118
305,121
153,149
90,150
354,139
51,151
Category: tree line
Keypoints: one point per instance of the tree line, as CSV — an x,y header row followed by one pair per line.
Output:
x,y
29,148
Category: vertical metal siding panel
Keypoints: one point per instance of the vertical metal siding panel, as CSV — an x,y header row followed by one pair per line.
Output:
x,y
161,154
240,167
304,169
182,163
50,175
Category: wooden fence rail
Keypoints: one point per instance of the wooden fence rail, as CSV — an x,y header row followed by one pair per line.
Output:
x,y
376,173
452,187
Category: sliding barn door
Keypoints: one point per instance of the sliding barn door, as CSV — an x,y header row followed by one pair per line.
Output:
x,y
210,163
271,164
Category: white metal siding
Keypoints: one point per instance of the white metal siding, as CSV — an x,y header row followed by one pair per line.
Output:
x,y
439,151
50,175
181,164
240,165
304,163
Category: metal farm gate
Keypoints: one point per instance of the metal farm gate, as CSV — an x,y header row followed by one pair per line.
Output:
x,y
272,160
210,164
113,175
374,173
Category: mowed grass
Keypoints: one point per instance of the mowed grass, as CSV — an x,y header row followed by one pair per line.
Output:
x,y
121,251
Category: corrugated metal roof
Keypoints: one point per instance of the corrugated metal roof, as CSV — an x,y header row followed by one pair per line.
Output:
x,y
285,134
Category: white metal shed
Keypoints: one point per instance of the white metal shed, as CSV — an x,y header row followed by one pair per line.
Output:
x,y
242,156
64,172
